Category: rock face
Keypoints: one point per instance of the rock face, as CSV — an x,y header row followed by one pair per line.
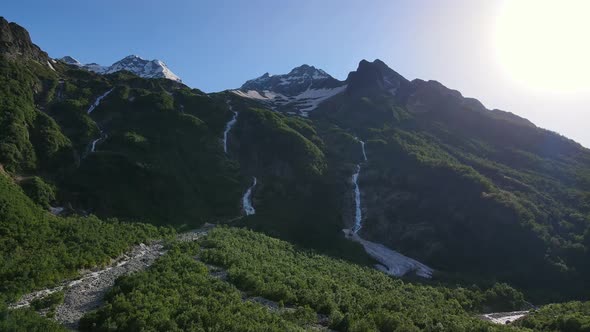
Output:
x,y
15,42
132,63
375,76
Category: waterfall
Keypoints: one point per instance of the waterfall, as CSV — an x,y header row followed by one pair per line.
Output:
x,y
103,136
363,148
228,127
92,108
391,261
247,200
358,216
98,100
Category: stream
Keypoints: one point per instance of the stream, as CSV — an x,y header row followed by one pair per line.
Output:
x,y
358,213
92,107
86,292
390,261
247,200
229,126
98,100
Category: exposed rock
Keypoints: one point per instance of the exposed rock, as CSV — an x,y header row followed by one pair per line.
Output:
x,y
15,42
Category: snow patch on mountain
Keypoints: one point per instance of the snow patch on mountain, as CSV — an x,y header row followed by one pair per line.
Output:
x,y
311,99
300,104
391,261
298,92
133,63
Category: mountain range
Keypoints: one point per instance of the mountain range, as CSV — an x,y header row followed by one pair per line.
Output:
x,y
476,209
132,63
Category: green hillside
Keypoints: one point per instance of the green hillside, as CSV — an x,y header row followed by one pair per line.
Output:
x,y
309,291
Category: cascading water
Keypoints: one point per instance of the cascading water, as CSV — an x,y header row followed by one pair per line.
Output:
x,y
363,148
92,108
391,262
247,200
228,127
98,100
358,215
103,136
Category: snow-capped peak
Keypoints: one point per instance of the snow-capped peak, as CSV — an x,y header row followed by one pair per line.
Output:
x,y
295,82
71,61
133,63
298,92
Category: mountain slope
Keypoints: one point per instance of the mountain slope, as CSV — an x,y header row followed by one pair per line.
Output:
x,y
479,195
463,188
15,42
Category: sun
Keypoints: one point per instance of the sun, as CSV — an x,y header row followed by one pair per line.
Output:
x,y
545,44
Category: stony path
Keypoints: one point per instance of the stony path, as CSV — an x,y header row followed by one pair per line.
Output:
x,y
86,293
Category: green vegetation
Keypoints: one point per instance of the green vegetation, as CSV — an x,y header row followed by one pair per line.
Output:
x,y
26,320
177,293
39,250
483,195
563,317
298,196
50,301
39,191
486,198
264,136
161,163
28,138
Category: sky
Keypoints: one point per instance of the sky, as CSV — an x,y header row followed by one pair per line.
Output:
x,y
217,45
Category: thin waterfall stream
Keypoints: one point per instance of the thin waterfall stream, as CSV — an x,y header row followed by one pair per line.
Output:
x,y
391,262
247,200
247,204
92,107
358,215
229,126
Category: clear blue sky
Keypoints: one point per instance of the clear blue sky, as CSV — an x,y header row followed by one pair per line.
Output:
x,y
216,45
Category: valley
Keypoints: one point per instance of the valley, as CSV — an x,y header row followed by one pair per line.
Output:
x,y
130,201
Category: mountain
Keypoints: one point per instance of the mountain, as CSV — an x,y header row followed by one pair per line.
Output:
x,y
375,76
420,177
298,92
16,42
449,182
132,63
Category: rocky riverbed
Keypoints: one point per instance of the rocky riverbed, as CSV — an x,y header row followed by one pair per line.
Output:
x,y
86,292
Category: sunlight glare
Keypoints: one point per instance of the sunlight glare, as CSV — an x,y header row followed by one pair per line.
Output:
x,y
545,44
